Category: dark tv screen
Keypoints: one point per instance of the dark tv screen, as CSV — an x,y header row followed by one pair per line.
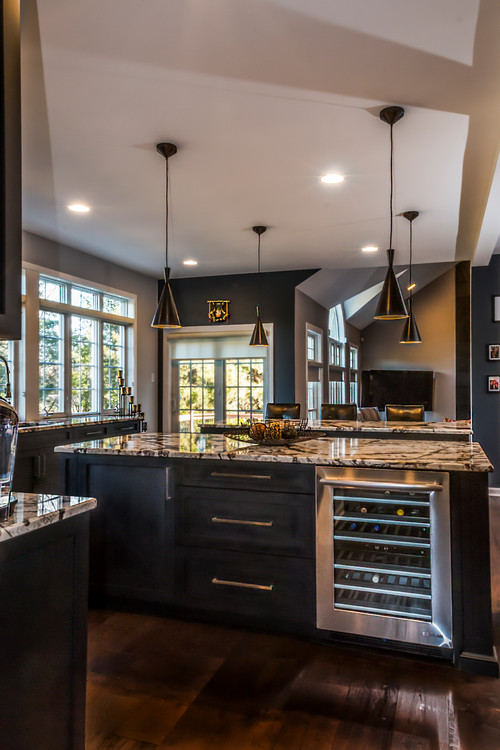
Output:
x,y
381,387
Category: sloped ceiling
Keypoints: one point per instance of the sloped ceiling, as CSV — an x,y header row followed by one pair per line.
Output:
x,y
262,97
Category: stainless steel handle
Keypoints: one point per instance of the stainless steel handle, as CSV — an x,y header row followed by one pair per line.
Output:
x,y
369,485
239,476
241,522
94,432
241,585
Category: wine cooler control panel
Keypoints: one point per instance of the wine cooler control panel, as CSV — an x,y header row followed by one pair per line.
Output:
x,y
383,554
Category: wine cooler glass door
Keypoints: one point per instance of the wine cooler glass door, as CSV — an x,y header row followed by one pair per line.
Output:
x,y
383,563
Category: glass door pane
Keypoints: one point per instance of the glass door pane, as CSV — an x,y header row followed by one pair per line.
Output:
x,y
244,390
84,380
196,393
51,362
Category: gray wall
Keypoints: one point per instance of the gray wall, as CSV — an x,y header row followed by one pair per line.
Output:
x,y
308,311
56,257
434,309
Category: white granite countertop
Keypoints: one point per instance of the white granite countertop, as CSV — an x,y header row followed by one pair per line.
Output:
x,y
33,512
428,455
436,428
55,424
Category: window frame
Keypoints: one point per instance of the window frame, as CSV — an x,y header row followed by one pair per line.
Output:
x,y
33,306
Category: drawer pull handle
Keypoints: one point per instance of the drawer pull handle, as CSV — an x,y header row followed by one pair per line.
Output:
x,y
241,522
94,432
345,482
239,476
241,585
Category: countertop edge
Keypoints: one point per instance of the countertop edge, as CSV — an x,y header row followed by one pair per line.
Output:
x,y
12,529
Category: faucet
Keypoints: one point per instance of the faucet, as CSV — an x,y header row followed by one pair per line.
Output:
x,y
8,393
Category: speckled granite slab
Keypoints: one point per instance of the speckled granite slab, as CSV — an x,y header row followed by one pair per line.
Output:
x,y
36,511
56,424
330,451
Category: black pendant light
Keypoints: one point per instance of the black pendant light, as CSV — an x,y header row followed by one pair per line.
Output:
x,y
259,337
410,334
166,315
391,305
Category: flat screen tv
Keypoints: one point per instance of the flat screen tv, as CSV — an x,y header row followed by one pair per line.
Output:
x,y
381,387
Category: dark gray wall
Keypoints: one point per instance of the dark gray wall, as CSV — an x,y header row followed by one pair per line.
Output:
x,y
485,406
275,292
56,257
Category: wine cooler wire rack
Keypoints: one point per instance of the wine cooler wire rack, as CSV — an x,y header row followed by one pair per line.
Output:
x,y
382,553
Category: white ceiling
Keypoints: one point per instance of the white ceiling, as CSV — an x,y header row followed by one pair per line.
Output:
x,y
262,97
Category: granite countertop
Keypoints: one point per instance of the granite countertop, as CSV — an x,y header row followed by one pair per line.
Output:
x,y
33,512
328,451
55,424
441,428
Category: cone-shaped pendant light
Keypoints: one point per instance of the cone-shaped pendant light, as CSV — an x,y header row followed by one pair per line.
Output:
x,y
259,337
410,334
166,315
391,305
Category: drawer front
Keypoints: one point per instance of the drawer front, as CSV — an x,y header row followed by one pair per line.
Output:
x,y
122,428
274,523
273,587
247,475
42,440
92,432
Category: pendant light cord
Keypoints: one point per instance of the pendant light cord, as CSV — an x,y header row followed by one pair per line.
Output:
x,y
258,256
392,187
166,212
411,253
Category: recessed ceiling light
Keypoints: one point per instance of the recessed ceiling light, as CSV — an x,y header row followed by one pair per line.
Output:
x,y
190,262
331,179
79,208
369,249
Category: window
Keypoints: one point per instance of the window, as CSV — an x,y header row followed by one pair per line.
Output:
x,y
7,351
337,390
353,373
244,387
337,354
314,340
84,374
336,324
313,400
51,362
85,337
113,359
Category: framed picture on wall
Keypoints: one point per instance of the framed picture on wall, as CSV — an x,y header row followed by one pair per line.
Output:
x,y
494,383
494,351
496,309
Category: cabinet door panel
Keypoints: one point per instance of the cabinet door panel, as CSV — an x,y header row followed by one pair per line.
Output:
x,y
129,530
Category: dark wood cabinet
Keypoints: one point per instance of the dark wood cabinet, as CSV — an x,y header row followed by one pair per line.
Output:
x,y
131,531
38,468
43,627
10,173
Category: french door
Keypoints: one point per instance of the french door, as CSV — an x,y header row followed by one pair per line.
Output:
x,y
223,390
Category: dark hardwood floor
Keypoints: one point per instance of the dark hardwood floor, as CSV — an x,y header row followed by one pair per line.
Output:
x,y
158,684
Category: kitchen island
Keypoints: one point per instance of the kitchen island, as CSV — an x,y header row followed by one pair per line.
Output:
x,y
214,528
459,430
43,622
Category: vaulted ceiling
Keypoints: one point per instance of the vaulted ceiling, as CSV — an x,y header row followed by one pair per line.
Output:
x,y
262,97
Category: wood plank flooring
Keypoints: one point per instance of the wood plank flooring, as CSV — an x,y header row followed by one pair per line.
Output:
x,y
157,684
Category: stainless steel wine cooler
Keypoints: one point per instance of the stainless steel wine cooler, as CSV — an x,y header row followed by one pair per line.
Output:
x,y
383,554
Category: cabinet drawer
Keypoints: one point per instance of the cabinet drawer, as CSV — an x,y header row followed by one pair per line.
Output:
x,y
247,475
274,523
122,428
235,582
92,432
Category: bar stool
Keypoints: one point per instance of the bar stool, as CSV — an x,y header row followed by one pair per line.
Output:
x,y
283,411
369,414
404,413
339,411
